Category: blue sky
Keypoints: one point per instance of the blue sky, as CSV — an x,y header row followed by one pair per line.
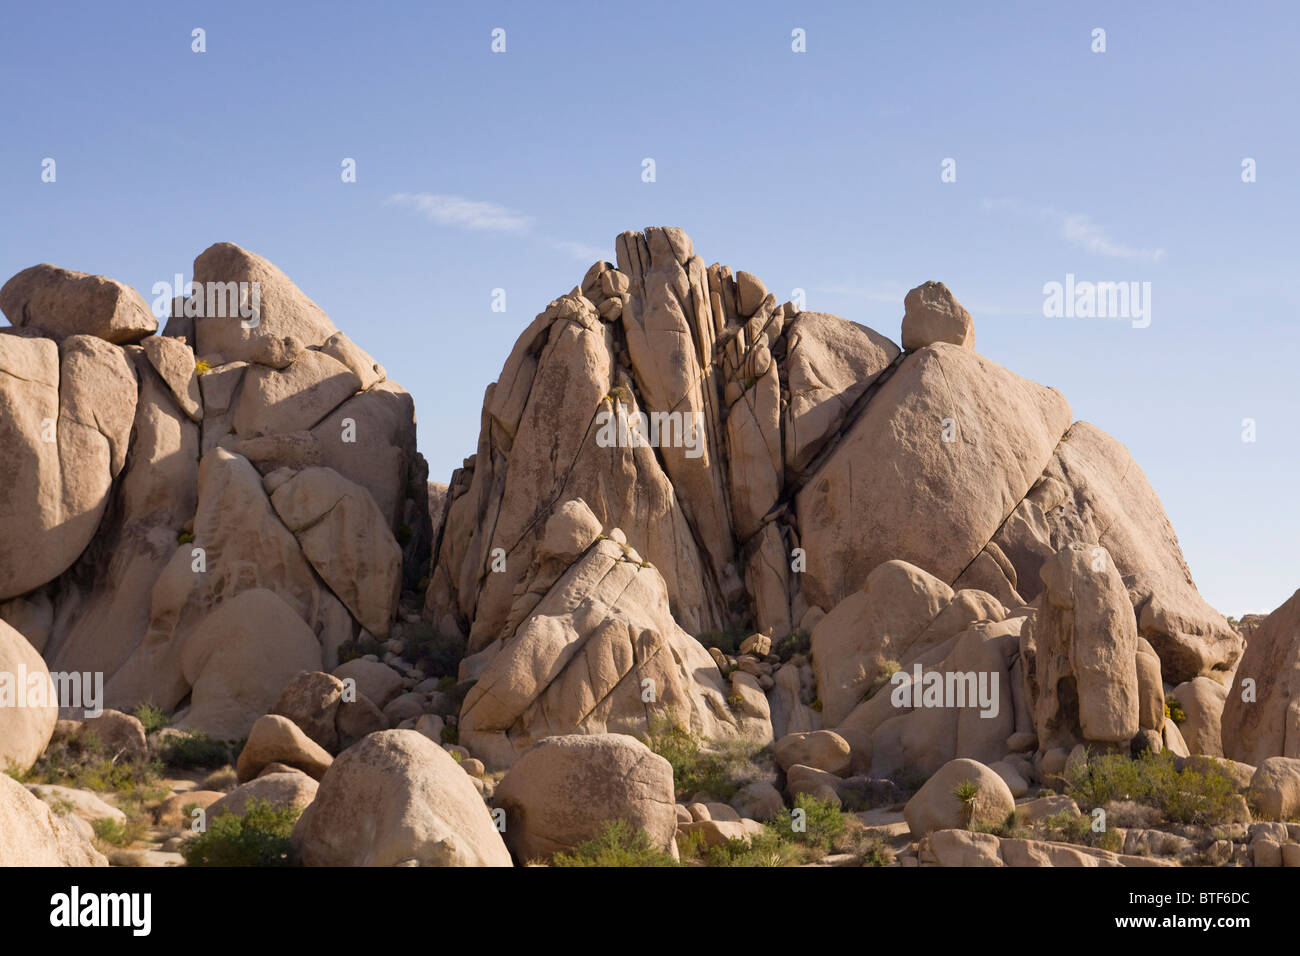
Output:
x,y
818,170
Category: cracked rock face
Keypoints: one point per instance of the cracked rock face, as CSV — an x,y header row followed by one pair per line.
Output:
x,y
668,451
138,522
824,452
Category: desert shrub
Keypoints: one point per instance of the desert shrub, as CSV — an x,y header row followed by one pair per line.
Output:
x,y
437,654
796,642
196,751
719,770
258,838
822,822
619,844
153,718
1174,710
110,831
1191,795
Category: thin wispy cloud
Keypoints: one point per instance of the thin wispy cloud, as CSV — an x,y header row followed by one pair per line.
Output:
x,y
457,212
1075,228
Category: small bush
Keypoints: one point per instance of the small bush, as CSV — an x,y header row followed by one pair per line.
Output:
x,y
258,838
1174,710
200,366
1196,796
196,751
437,654
719,771
619,844
153,718
796,642
110,831
822,822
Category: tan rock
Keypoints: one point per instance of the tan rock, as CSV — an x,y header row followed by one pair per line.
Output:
x,y
63,303
278,739
417,804
278,789
563,789
937,807
234,672
1275,789
969,439
1202,700
821,749
346,538
311,700
65,422
284,312
932,314
26,720
1268,724
174,362
377,682
31,835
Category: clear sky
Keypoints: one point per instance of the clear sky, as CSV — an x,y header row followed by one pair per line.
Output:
x,y
819,170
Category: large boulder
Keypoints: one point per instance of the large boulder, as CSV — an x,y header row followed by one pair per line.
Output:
x,y
1080,652
563,790
589,647
282,324
1274,790
830,364
62,303
28,707
940,804
312,700
65,423
928,472
239,544
280,789
932,314
1091,491
347,540
237,660
853,645
276,739
1261,719
31,835
398,798
1202,701
105,599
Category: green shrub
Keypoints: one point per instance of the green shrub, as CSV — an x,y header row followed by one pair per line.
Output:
x,y
796,642
1190,795
258,838
619,844
1174,710
153,718
718,771
437,654
110,831
822,823
196,751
